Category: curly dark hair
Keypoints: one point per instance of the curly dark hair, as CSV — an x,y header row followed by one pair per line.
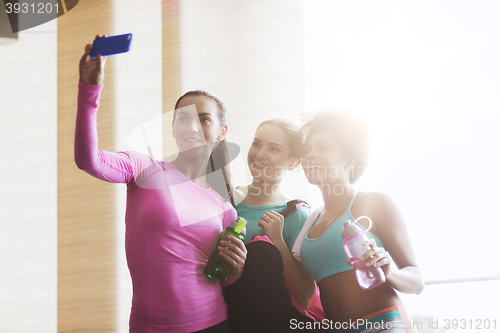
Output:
x,y
349,132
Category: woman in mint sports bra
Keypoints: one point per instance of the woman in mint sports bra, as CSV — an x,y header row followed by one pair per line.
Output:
x,y
335,156
260,301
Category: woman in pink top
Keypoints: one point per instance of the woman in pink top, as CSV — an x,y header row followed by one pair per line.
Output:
x,y
173,217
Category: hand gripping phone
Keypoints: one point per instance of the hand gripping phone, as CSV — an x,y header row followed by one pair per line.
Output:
x,y
111,45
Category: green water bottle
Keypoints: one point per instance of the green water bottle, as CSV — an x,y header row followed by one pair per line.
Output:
x,y
218,268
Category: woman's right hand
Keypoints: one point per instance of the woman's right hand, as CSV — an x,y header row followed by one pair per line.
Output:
x,y
273,223
92,70
234,252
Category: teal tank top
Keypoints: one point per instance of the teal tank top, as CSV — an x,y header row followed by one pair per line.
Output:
x,y
291,228
325,256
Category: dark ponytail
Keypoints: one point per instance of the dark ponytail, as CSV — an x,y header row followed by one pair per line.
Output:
x,y
219,159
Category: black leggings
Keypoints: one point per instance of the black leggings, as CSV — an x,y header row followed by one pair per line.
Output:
x,y
259,300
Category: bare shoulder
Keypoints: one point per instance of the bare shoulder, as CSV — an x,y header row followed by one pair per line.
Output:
x,y
380,207
374,201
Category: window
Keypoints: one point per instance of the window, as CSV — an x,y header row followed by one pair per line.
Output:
x,y
425,76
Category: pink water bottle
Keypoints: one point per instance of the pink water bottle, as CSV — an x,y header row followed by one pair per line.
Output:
x,y
354,237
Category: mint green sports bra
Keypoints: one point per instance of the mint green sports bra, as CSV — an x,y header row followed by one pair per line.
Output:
x,y
325,256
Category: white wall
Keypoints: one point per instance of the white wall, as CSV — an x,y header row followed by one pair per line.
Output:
x,y
251,54
28,178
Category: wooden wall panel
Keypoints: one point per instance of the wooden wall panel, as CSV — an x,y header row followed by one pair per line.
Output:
x,y
95,288
86,206
171,70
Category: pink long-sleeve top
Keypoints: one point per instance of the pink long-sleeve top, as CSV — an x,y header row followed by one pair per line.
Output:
x,y
172,225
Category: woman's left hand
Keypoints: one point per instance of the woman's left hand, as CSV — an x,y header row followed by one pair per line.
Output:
x,y
378,257
235,253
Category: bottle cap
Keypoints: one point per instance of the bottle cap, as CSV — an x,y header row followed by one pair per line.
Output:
x,y
350,229
239,225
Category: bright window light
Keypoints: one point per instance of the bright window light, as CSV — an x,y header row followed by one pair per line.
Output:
x,y
426,77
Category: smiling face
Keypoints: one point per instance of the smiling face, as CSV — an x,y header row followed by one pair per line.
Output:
x,y
323,161
197,125
269,155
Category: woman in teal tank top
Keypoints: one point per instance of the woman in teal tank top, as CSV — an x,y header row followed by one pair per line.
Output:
x,y
335,156
260,301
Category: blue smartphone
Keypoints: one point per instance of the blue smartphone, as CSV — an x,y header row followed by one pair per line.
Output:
x,y
111,45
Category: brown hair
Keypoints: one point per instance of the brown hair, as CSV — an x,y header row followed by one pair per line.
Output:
x,y
292,132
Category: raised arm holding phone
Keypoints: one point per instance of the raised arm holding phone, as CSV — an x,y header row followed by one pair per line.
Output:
x,y
173,216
